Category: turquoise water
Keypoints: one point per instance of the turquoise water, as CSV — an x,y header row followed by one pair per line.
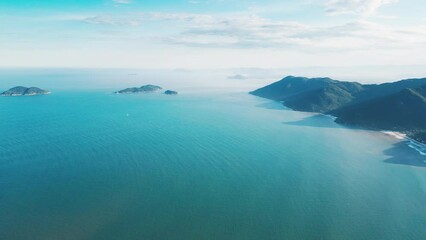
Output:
x,y
94,165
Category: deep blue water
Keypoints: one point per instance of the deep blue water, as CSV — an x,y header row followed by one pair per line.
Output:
x,y
94,165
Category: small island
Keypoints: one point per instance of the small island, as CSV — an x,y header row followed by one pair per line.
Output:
x,y
170,92
143,89
24,91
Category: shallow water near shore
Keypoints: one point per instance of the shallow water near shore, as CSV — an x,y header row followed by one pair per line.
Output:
x,y
94,165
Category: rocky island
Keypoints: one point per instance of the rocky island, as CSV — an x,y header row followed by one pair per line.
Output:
x,y
24,91
398,106
143,89
170,92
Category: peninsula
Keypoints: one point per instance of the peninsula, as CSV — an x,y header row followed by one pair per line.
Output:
x,y
398,106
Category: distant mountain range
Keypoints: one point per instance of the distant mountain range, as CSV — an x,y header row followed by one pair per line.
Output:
x,y
398,106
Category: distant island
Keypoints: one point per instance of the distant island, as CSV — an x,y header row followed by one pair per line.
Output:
x,y
170,92
398,106
143,89
24,91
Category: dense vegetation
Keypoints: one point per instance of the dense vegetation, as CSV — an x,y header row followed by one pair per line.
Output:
x,y
398,106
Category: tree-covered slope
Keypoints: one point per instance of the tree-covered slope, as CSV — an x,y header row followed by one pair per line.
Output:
x,y
379,90
399,106
310,94
403,111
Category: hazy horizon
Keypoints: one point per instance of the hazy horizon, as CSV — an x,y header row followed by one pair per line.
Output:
x,y
238,79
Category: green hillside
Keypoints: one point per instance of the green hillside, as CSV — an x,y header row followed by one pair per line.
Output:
x,y
397,106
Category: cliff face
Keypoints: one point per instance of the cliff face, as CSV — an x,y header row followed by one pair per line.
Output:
x,y
398,106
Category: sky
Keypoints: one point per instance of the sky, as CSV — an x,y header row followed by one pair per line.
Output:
x,y
209,34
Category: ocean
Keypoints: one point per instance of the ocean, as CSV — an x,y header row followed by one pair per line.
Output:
x,y
93,165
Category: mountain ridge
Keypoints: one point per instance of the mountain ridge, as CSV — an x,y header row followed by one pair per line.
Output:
x,y
397,106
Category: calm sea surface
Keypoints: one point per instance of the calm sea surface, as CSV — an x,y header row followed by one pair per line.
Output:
x,y
98,166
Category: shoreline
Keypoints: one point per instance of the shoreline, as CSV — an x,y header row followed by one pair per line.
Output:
x,y
412,143
397,135
330,116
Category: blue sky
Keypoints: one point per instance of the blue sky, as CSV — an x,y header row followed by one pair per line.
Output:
x,y
195,34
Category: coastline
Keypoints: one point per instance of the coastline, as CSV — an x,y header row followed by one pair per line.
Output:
x,y
397,135
23,95
329,116
412,143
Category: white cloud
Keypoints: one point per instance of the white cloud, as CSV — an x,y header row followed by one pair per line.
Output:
x,y
249,31
138,19
114,21
365,7
238,77
255,32
122,1
138,38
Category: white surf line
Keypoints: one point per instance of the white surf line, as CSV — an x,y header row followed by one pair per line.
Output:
x,y
416,145
396,135
330,116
